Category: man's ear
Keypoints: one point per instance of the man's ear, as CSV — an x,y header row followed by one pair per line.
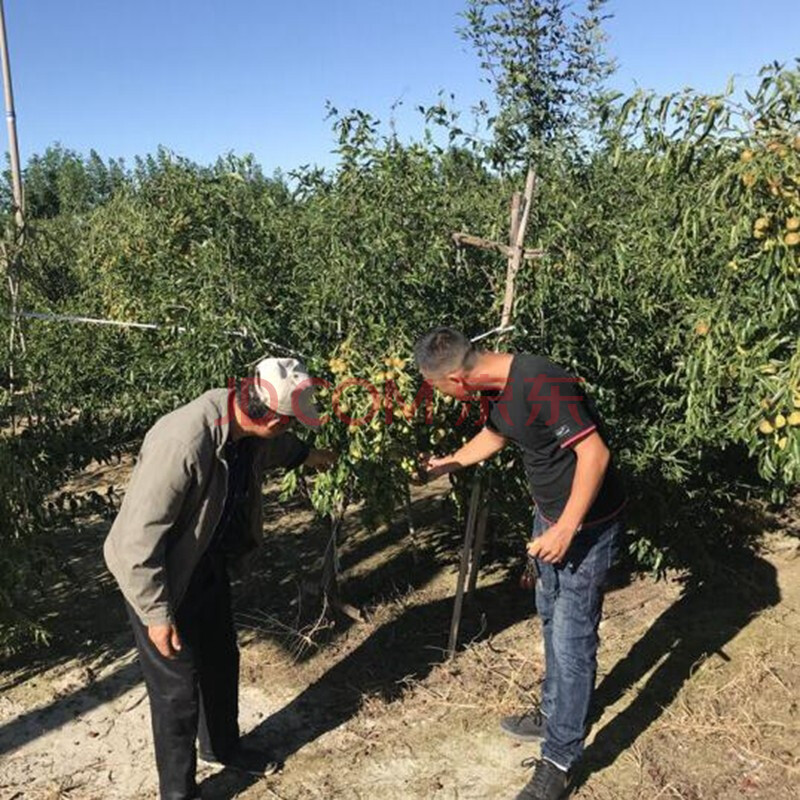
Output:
x,y
457,378
275,422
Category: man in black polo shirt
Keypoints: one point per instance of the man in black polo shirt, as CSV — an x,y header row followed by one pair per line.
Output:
x,y
576,527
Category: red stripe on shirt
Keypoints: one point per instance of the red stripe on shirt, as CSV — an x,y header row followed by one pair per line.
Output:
x,y
578,436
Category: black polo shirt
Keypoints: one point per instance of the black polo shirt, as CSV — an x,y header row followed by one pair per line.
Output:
x,y
546,412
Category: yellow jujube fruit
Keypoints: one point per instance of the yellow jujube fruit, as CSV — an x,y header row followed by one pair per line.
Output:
x,y
356,452
780,421
765,427
761,223
749,179
747,155
794,418
408,465
702,328
793,224
782,442
791,239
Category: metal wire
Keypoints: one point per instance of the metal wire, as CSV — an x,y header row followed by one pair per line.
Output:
x,y
149,326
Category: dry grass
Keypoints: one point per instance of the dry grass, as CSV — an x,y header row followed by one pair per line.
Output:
x,y
731,731
488,678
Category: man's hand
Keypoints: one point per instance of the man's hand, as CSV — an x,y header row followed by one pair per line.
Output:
x,y
433,466
166,639
321,459
480,447
552,545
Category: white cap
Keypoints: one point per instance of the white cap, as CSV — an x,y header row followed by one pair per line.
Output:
x,y
284,385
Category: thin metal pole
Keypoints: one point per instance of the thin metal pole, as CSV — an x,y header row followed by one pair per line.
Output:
x,y
13,257
11,122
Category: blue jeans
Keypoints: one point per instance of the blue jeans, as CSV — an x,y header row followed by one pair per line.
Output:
x,y
569,599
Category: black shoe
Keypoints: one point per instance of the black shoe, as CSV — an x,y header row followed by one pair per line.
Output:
x,y
245,759
527,727
548,782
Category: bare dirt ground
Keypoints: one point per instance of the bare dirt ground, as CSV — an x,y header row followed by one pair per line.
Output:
x,y
697,692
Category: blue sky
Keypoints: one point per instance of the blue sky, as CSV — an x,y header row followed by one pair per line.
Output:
x,y
204,78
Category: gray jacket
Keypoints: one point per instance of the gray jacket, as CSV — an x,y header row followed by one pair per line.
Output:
x,y
175,499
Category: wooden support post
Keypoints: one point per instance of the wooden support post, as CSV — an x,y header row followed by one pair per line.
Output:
x,y
519,226
466,556
477,517
477,548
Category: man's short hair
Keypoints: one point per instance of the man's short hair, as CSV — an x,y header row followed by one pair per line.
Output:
x,y
444,350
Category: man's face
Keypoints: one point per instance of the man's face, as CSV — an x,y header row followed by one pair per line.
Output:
x,y
452,384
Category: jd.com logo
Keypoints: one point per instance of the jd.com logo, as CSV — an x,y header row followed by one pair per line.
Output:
x,y
389,398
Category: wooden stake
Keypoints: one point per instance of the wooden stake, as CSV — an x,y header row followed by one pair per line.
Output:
x,y
520,217
477,548
466,555
513,223
473,544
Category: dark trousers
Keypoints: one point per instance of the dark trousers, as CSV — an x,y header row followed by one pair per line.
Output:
x,y
197,692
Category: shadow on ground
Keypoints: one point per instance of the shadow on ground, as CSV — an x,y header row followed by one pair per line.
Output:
x,y
698,625
67,707
86,616
398,653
